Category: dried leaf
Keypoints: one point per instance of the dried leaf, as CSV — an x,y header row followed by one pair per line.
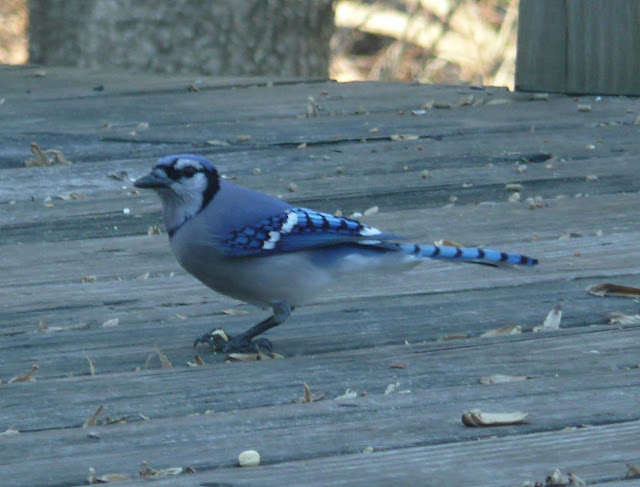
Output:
x,y
234,312
308,396
92,420
556,479
465,100
92,369
118,175
249,458
70,196
92,478
454,336
607,289
164,360
633,471
111,323
391,388
197,361
476,417
575,480
552,321
502,378
312,108
394,365
618,319
514,187
348,395
109,421
505,330
370,211
401,137
148,472
220,143
42,157
540,97
26,377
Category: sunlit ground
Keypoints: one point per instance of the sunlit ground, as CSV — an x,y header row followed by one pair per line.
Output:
x,y
432,41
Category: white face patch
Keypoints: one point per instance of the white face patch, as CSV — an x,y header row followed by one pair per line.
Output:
x,y
180,164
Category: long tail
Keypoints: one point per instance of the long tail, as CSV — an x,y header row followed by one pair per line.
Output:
x,y
470,254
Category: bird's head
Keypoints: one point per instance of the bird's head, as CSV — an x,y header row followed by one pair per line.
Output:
x,y
186,184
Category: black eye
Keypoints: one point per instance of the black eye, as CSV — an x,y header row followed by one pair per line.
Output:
x,y
189,171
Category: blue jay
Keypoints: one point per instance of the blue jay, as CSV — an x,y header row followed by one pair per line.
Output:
x,y
261,250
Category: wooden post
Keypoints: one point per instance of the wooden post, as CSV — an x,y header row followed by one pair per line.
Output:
x,y
579,46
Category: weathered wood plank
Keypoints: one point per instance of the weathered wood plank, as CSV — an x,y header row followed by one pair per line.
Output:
x,y
582,164
331,429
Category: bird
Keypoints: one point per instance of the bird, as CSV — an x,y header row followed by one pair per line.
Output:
x,y
266,252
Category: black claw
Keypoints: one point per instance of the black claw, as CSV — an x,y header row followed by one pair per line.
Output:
x,y
221,342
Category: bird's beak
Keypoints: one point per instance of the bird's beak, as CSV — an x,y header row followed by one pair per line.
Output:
x,y
154,180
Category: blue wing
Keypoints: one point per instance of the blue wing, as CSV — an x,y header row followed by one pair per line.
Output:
x,y
299,229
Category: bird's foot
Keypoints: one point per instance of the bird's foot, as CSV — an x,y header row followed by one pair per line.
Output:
x,y
221,342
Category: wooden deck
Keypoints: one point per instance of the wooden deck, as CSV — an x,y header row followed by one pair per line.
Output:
x,y
73,261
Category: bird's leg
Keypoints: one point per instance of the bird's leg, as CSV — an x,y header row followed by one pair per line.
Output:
x,y
244,343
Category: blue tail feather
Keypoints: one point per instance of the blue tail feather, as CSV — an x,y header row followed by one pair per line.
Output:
x,y
470,254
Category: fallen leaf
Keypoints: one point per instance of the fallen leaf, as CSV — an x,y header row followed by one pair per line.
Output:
x,y
111,323
454,336
397,366
348,395
505,330
606,289
148,472
575,480
476,417
391,388
42,157
164,360
26,377
370,211
234,312
312,108
552,321
92,369
92,478
618,319
92,420
400,137
118,175
70,196
308,396
633,471
109,421
197,361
